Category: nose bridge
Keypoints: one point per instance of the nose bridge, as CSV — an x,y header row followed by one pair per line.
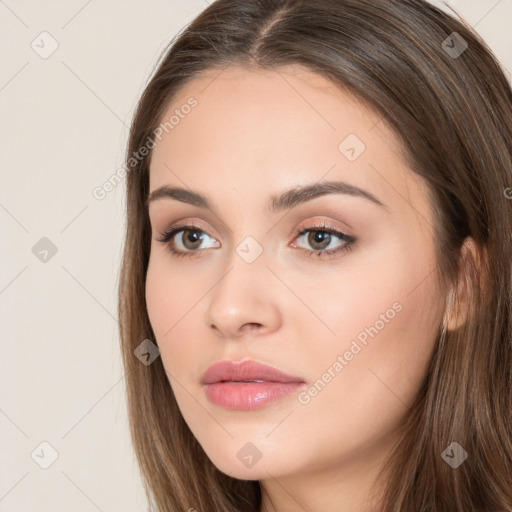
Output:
x,y
243,293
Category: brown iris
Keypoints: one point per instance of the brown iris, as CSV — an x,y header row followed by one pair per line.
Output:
x,y
319,237
192,236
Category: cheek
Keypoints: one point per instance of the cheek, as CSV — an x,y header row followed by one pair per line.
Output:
x,y
170,294
388,289
351,303
169,302
366,393
174,299
385,323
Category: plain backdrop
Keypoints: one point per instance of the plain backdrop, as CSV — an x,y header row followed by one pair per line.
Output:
x,y
64,120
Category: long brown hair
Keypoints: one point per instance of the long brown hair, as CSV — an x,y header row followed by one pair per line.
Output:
x,y
453,112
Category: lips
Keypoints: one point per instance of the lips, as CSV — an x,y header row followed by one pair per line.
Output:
x,y
247,385
246,371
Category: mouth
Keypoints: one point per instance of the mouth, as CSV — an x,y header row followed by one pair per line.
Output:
x,y
247,385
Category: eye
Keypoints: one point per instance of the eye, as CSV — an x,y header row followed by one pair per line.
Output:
x,y
321,237
188,242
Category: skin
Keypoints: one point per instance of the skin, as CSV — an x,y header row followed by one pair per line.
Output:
x,y
254,134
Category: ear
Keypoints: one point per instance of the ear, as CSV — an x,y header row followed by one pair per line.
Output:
x,y
459,297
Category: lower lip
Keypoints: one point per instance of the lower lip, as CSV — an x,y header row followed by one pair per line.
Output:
x,y
246,396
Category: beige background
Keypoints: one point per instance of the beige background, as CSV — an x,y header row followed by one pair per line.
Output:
x,y
63,122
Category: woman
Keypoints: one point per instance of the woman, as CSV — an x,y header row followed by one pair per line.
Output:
x,y
316,284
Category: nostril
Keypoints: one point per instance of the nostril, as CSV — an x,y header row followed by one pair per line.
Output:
x,y
251,326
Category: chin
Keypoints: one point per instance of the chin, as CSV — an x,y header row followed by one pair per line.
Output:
x,y
248,463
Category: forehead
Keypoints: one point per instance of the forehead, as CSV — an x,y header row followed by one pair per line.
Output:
x,y
255,130
237,97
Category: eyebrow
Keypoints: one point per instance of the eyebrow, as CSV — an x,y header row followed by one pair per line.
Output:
x,y
282,201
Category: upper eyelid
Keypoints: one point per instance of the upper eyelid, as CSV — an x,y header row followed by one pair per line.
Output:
x,y
179,226
315,223
322,225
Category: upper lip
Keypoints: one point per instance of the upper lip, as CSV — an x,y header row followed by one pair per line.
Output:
x,y
247,370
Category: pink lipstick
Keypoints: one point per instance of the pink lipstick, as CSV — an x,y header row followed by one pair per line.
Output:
x,y
247,385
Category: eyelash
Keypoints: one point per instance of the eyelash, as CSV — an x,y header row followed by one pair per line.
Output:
x,y
350,241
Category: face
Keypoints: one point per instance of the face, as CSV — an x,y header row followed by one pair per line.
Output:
x,y
334,286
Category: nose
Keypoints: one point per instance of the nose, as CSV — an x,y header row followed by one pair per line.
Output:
x,y
244,301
